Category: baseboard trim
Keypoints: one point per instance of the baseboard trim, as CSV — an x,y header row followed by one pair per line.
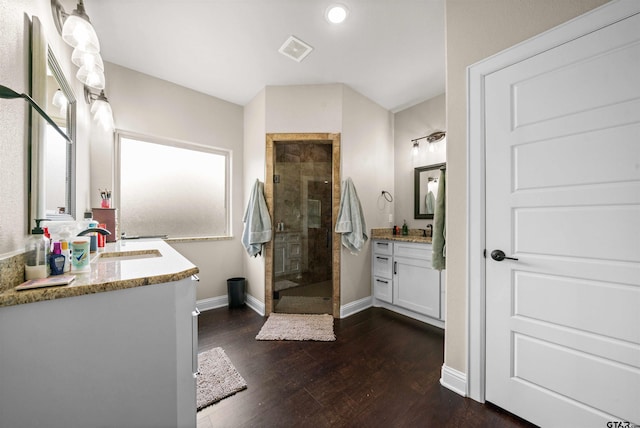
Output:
x,y
407,313
355,307
212,303
258,306
255,304
454,380
223,302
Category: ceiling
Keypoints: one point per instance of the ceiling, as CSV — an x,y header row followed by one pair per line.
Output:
x,y
391,51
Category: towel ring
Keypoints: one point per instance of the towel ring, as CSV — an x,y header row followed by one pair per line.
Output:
x,y
387,196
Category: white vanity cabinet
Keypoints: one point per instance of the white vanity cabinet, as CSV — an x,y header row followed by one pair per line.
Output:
x,y
383,271
416,283
120,358
404,281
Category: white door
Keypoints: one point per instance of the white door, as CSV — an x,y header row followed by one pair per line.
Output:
x,y
563,197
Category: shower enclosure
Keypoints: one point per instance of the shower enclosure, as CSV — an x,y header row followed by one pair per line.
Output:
x,y
302,204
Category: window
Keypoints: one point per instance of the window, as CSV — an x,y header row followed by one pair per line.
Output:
x,y
171,188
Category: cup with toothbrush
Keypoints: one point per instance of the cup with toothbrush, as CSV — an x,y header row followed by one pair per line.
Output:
x,y
105,196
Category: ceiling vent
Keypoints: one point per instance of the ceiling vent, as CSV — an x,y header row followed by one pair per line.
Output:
x,y
295,49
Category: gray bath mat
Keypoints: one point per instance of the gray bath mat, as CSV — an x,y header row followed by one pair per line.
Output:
x,y
218,378
297,327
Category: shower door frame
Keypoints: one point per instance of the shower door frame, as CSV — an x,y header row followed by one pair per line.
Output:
x,y
315,138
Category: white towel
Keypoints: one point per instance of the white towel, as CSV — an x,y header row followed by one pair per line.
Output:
x,y
430,202
257,222
351,222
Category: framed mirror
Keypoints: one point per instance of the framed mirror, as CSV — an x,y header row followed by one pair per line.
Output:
x,y
426,190
52,158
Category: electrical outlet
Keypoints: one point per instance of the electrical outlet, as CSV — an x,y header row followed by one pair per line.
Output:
x,y
390,218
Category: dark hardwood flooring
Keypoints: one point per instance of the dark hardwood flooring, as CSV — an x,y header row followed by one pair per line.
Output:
x,y
382,371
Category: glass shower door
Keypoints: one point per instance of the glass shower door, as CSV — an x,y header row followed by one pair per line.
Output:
x,y
302,216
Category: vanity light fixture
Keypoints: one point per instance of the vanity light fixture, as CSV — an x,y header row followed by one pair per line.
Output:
x,y
434,137
7,93
416,147
336,13
100,108
92,77
76,30
90,60
75,27
91,68
60,101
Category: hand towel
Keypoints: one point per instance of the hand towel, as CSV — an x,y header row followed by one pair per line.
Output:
x,y
430,202
351,223
257,221
439,258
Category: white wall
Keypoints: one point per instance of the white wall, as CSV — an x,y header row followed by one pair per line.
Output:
x,y
14,73
366,157
155,107
414,122
304,108
254,169
474,31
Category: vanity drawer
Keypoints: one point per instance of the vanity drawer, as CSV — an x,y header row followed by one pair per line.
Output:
x,y
414,251
383,247
383,289
382,265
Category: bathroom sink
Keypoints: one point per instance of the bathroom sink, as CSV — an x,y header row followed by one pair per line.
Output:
x,y
117,256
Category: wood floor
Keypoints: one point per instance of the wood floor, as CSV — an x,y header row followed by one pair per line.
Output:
x,y
382,371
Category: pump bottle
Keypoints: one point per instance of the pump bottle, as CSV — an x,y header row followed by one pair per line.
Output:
x,y
37,251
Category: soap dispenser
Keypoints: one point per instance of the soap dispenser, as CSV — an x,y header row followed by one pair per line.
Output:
x,y
405,228
37,254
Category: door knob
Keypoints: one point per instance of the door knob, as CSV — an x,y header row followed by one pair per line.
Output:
x,y
498,255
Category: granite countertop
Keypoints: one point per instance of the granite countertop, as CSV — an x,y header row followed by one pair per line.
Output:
x,y
144,262
415,235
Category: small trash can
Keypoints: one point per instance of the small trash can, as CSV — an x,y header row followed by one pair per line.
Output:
x,y
236,291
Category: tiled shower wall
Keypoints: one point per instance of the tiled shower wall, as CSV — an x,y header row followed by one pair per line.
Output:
x,y
303,201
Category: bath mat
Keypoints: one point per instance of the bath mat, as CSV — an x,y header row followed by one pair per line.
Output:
x,y
298,327
304,305
218,378
284,284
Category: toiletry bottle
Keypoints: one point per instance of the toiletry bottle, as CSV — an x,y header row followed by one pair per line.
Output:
x,y
37,254
405,228
66,252
93,246
87,223
102,239
56,260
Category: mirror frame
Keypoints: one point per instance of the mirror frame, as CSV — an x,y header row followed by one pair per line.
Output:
x,y
41,57
416,189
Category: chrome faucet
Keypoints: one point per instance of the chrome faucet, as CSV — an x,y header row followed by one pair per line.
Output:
x,y
99,230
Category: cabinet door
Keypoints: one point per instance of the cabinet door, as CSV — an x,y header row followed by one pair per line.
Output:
x,y
416,286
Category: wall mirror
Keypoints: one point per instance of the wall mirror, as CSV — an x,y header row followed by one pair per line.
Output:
x,y
52,158
426,190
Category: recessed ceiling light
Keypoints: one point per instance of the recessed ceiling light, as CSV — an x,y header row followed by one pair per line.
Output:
x,y
336,13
